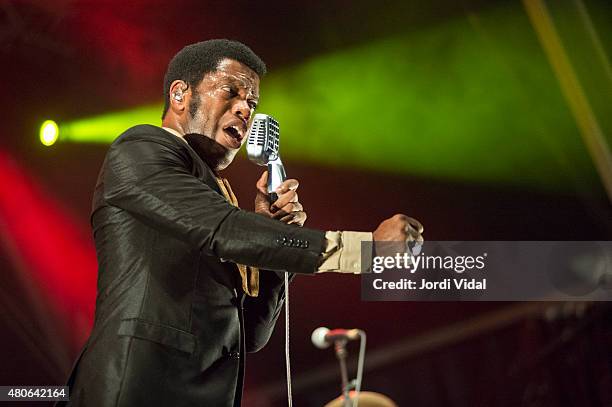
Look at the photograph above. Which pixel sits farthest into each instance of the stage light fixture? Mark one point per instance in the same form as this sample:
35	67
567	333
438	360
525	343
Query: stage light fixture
49	133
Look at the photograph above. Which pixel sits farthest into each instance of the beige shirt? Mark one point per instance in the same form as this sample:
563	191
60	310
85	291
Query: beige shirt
342	252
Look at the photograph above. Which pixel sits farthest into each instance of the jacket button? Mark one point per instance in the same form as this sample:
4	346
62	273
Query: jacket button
234	355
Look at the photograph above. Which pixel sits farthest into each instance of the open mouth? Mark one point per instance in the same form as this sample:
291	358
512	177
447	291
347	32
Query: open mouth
234	134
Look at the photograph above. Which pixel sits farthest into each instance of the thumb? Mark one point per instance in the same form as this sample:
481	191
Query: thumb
262	183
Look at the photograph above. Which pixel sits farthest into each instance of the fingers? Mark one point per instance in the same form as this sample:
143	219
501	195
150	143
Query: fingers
292	213
412	226
295	218
415	224
298	218
413	229
287	185
288	209
284	199
400	228
419	239
262	183
411	232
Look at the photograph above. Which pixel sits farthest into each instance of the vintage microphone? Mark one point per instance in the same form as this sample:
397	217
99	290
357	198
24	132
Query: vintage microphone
262	149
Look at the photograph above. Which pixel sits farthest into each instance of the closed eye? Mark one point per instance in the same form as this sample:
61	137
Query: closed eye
230	90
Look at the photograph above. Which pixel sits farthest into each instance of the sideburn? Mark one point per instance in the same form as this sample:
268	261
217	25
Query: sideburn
194	103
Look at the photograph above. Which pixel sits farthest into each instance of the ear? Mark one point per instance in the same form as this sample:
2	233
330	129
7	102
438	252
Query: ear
179	92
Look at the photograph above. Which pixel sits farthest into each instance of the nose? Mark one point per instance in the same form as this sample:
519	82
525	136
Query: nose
242	109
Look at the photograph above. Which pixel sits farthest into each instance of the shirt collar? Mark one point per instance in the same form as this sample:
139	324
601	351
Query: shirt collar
176	133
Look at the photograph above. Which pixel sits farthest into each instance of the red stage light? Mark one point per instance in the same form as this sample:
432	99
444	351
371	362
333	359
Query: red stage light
57	254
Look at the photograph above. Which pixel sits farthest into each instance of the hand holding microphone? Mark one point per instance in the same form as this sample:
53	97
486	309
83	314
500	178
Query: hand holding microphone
286	208
276	196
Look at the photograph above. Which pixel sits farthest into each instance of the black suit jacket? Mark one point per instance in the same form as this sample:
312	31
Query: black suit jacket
172	325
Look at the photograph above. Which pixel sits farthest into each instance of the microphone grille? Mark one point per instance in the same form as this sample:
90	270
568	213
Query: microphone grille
318	337
263	139
273	136
257	132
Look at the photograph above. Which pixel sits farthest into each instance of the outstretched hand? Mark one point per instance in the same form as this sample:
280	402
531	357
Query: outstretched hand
286	208
399	228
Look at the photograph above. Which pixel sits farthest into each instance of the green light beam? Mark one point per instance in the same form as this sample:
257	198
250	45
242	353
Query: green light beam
471	100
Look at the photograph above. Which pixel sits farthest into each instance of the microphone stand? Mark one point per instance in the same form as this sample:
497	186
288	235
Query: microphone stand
341	353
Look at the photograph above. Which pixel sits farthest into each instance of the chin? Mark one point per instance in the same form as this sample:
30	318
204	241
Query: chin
224	162
217	156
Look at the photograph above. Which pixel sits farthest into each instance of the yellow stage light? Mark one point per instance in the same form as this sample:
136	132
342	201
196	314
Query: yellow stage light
49	132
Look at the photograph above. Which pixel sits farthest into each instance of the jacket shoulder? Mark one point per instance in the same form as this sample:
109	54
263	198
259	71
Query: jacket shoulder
148	142
148	132
142	141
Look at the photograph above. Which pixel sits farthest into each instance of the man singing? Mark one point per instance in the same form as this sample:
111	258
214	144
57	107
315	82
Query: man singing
188	282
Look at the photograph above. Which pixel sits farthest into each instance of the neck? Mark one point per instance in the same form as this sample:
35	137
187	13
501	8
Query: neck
172	123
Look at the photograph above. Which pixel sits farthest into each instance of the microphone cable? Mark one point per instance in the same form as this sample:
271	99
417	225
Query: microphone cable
287	361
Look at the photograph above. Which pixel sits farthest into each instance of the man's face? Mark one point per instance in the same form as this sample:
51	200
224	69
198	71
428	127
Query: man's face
222	104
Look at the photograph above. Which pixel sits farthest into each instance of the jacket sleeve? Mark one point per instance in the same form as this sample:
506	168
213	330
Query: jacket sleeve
151	178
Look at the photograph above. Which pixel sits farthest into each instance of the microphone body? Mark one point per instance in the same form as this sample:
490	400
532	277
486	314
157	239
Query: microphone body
323	337
262	149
